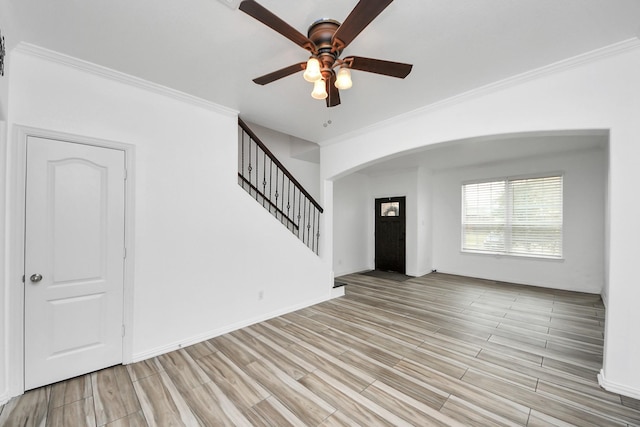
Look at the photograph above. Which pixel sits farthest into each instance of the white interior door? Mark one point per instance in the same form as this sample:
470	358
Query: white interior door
74	259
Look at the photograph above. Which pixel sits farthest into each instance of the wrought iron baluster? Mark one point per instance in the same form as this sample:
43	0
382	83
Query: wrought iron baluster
293	216
308	225
299	203
275	195
318	234
250	168
313	233
304	221
264	177
282	199
257	171
270	174
242	133
288	200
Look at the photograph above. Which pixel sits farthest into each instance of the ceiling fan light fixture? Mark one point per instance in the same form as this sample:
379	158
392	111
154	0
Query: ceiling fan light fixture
343	79
312	72
325	41
319	90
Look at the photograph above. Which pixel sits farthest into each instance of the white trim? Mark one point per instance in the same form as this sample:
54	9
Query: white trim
519	282
338	292
15	226
541	175
603	295
4	248
226	329
353	270
117	76
15	212
617	388
556	67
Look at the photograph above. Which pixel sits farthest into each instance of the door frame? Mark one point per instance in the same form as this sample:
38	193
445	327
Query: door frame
16	198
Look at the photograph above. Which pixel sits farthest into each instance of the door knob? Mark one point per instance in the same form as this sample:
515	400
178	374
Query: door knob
35	278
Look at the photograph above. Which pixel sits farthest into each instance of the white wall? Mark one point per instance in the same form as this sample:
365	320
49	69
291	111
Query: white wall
203	248
4	95
582	266
9	32
352	235
596	91
424	233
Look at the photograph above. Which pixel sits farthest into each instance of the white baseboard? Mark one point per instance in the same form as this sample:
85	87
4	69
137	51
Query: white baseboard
521	282
337	292
419	273
157	351
4	398
617	388
338	273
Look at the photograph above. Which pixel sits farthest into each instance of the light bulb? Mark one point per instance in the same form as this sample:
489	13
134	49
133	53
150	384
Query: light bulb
319	90
343	79
312	72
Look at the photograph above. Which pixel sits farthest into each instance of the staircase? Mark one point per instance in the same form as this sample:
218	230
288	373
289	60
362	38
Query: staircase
266	179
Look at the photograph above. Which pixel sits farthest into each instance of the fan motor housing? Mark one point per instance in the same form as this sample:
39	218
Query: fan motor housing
321	33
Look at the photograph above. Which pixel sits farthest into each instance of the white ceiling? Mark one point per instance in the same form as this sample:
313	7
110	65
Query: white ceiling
205	48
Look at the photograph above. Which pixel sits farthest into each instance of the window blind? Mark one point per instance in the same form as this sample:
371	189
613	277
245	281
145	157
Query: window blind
513	216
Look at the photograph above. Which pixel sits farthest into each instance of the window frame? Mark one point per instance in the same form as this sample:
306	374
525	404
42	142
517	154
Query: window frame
508	223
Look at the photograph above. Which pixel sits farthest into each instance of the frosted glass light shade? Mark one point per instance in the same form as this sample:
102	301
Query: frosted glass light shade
312	72
343	79
319	90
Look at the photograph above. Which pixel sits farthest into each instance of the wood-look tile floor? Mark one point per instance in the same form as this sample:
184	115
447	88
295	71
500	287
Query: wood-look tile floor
436	350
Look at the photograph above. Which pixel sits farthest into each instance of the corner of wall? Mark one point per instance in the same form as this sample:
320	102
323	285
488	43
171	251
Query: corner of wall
337	292
353	270
617	388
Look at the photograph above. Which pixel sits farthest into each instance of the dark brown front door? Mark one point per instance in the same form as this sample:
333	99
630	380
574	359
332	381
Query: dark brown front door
390	234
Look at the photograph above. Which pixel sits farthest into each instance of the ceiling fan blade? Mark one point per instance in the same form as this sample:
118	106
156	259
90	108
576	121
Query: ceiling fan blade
361	16
255	10
276	75
378	66
333	97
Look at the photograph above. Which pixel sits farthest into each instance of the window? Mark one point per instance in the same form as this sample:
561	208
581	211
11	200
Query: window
513	216
390	209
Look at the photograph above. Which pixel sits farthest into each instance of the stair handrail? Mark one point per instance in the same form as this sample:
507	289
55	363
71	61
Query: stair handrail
275	160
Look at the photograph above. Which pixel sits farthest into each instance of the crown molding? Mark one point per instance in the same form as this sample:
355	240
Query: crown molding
117	76
518	79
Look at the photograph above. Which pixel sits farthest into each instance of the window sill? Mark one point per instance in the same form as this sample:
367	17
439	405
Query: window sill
518	256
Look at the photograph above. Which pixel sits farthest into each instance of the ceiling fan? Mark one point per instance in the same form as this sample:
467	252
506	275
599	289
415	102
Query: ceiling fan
325	40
